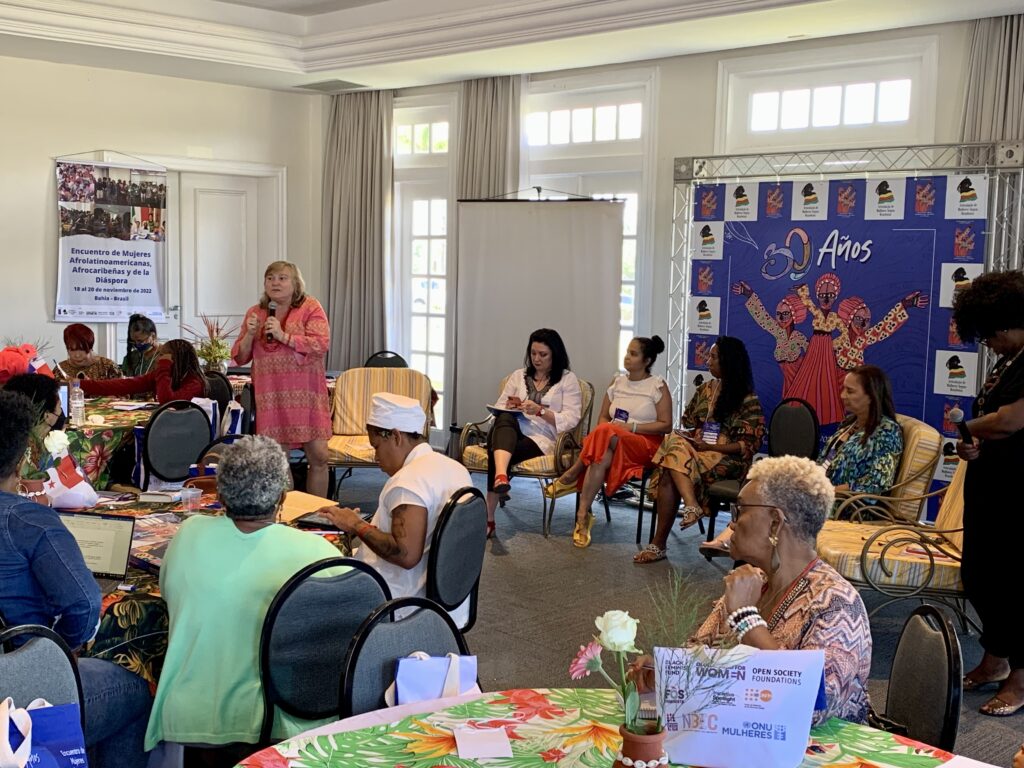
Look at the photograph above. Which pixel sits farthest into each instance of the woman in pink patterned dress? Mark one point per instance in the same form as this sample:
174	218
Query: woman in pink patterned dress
286	337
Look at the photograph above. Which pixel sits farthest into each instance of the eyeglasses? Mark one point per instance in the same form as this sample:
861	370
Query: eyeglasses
736	508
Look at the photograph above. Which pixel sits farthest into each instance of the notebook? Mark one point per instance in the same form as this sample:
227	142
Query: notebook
105	542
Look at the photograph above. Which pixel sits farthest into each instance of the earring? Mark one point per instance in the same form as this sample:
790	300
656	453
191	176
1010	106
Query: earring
773	539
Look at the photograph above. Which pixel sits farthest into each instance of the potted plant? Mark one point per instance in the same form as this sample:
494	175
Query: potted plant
213	347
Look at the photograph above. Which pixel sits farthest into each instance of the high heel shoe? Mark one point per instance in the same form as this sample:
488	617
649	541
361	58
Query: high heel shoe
558	489
581	533
502	485
490	529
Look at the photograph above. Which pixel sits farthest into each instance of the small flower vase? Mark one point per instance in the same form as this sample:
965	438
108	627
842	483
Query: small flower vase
219	367
646	750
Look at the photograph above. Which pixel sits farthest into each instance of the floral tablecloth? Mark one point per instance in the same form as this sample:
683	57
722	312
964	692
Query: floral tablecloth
564	727
93	445
134	624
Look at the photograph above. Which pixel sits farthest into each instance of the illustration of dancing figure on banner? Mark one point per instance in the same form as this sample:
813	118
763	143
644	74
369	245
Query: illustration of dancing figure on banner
790	344
816	380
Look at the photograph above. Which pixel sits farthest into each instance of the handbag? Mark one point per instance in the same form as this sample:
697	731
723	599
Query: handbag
41	735
419	677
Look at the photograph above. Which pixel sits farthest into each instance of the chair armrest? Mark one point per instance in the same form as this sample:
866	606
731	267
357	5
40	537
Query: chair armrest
879	505
472	434
567	448
930	540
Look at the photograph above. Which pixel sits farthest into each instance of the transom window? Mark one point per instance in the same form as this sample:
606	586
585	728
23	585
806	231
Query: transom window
887	101
582	125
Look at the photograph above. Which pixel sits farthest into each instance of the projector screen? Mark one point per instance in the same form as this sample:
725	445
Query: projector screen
524	265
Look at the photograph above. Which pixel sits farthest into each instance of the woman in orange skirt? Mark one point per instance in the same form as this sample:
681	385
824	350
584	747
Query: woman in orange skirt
635	414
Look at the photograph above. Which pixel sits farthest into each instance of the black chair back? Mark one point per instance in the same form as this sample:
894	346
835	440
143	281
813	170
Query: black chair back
385	359
380	642
456	555
248	402
306	636
210	455
218	388
793	429
926	681
176	434
36	663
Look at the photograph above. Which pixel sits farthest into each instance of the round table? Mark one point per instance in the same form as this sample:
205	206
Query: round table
93	445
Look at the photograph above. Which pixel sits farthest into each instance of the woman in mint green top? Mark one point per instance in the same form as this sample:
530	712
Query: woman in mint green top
219	577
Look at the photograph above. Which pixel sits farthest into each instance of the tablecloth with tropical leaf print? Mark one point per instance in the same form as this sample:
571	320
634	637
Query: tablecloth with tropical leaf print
563	727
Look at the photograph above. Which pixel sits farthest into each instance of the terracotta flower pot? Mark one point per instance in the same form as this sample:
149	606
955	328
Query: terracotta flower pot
645	750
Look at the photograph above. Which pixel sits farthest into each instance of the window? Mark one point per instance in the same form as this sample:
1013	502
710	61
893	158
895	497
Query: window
588	136
871	94
419	280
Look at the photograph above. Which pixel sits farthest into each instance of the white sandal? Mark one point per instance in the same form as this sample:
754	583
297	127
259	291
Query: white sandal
656	553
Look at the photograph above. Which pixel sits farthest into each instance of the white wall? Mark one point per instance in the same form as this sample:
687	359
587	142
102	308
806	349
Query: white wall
55	109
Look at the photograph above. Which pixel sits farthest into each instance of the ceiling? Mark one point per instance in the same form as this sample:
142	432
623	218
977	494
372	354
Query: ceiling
291	44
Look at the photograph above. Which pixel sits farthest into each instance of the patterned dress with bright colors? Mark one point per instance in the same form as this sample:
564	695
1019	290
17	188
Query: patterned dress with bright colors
290	382
789	345
850	349
866	466
99	368
815	382
744	426
820	611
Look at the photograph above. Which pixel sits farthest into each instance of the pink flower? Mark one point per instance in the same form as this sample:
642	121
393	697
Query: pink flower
587	660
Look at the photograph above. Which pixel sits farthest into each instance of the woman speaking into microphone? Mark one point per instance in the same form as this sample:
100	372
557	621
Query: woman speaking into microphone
286	337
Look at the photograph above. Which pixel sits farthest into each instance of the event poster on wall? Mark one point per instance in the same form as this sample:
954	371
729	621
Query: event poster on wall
817	277
112	233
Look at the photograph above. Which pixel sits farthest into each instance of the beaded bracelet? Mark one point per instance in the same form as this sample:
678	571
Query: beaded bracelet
748	624
740	613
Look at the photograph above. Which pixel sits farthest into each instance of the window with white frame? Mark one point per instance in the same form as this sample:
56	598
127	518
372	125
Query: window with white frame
419	273
590	136
870	94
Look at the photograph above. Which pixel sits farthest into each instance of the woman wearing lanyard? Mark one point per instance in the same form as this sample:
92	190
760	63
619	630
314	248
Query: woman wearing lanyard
992	310
864	453
286	337
722	428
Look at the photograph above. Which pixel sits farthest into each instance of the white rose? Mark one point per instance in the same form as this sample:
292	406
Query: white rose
56	442
618	631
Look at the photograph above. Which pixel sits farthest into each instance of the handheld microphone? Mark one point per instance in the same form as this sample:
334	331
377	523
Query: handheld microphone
271	309
956	416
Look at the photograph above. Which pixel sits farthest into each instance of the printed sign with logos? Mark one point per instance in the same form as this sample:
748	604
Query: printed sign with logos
885	201
741	202
955	278
966	196
956	373
704	315
708	239
810	201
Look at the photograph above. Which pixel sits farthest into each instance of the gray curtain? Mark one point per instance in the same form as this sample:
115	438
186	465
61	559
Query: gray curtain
488	166
994	106
489	137
356	222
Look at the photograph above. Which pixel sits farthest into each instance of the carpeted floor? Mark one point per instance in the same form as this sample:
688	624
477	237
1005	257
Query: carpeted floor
539	597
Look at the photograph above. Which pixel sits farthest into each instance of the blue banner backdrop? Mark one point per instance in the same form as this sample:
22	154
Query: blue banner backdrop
818	277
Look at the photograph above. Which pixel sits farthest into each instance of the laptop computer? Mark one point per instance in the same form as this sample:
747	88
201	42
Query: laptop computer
105	542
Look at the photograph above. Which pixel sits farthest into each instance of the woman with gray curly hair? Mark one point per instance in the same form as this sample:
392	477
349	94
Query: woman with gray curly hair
219	577
784	597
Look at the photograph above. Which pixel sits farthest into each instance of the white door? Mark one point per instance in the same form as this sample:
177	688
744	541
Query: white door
221	249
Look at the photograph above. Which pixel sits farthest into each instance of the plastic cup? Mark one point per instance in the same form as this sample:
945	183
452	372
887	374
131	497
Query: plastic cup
190	498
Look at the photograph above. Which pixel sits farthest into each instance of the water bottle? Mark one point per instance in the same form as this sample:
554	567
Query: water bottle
76	398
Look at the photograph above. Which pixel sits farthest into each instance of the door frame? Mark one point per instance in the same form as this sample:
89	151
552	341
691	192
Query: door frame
273	201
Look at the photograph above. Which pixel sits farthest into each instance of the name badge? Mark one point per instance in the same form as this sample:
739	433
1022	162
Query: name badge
620	415
711	431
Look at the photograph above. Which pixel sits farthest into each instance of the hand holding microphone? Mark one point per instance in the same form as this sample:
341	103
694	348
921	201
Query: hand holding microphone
968	448
271	309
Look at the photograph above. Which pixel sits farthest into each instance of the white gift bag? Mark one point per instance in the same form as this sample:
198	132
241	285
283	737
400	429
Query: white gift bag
11	716
737	707
67	486
419	677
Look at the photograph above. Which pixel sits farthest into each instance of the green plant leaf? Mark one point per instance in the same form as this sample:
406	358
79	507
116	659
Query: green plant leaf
632	705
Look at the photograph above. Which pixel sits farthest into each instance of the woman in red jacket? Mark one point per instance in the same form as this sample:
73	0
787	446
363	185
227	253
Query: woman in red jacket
176	376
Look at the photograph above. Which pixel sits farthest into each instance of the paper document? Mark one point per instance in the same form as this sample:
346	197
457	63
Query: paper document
479	743
298	504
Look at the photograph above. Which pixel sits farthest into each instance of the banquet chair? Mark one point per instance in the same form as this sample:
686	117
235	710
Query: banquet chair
456	555
385	359
219	388
472	451
248	402
43	667
378	644
926	680
793	430
210	455
903	501
306	635
906	560
176	434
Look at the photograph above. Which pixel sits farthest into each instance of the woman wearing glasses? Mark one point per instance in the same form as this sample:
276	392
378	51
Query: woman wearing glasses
790	344
784	597
864	453
992	310
859	336
815	382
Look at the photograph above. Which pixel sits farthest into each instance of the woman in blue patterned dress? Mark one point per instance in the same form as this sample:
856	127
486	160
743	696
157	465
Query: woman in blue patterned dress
864	453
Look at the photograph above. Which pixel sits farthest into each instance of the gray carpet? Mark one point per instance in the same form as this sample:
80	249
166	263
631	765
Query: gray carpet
539	597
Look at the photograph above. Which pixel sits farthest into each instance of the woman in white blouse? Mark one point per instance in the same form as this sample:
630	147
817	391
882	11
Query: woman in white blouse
635	414
546	399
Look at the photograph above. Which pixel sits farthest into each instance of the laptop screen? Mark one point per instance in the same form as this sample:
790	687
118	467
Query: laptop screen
105	541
